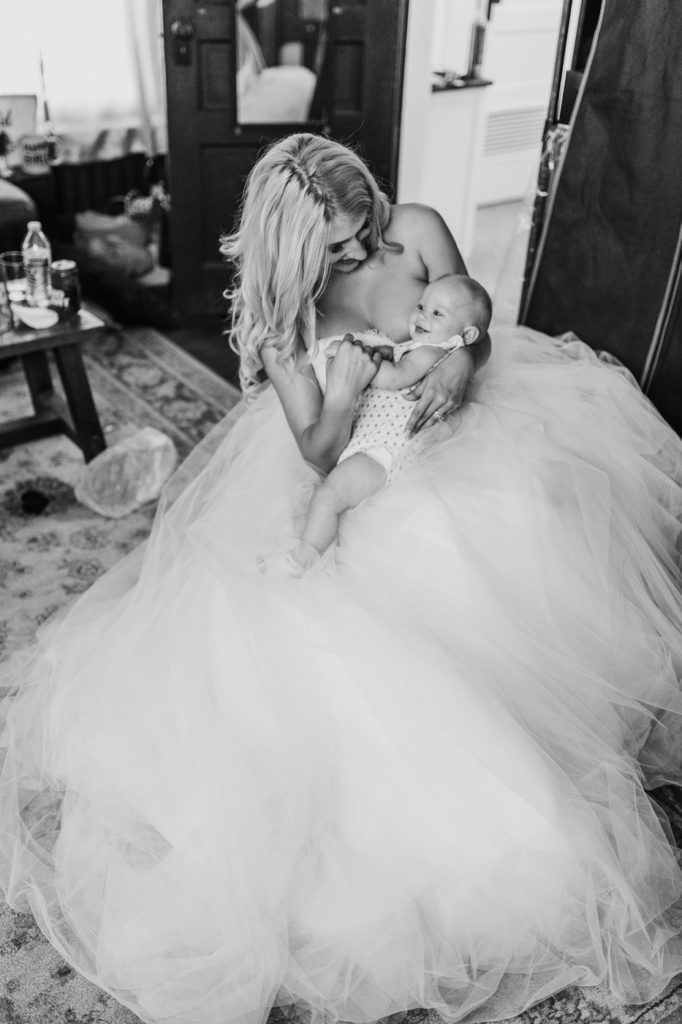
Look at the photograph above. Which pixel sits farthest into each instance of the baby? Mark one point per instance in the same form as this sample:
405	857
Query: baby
453	311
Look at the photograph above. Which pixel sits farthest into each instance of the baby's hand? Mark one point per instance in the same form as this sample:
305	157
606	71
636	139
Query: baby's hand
386	352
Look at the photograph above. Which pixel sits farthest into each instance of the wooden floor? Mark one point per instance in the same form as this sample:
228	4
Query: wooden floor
207	342
494	229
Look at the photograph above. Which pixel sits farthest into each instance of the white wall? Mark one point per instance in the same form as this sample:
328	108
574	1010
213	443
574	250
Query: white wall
501	141
520	54
416	98
440	131
452	32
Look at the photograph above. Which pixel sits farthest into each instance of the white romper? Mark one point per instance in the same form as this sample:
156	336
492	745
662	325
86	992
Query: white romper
381	414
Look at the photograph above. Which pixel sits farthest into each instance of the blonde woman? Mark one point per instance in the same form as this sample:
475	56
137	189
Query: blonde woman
415	777
320	252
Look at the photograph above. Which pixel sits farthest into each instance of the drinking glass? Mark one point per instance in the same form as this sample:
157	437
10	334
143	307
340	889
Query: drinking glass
12	267
5	308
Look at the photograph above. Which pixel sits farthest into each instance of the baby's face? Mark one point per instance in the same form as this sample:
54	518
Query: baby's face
443	310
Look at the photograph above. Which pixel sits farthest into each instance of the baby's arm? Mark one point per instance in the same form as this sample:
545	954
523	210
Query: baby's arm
411	368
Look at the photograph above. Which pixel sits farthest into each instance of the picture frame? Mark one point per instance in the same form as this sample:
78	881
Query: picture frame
18	117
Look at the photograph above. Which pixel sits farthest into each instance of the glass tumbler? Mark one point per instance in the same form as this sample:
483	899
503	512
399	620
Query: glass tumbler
12	266
5	308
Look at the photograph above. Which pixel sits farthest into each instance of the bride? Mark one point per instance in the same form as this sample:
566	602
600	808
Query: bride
416	777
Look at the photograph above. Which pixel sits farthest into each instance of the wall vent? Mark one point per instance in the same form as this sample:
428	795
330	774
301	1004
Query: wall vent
509	131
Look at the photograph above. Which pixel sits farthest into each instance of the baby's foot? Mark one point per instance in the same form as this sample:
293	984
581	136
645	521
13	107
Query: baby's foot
293	561
282	563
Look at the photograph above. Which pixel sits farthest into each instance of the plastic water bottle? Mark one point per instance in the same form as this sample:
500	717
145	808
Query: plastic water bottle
37	255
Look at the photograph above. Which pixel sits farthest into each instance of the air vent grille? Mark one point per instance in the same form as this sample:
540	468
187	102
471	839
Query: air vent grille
509	131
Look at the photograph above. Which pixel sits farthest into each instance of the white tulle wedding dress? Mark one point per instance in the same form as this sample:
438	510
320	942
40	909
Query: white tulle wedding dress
414	778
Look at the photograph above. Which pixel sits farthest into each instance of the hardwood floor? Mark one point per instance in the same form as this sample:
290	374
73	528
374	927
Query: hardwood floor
206	340
493	232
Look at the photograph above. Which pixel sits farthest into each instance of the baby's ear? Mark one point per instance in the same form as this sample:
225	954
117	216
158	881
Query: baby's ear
470	334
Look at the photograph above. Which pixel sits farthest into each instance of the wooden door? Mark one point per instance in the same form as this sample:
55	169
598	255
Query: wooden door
358	63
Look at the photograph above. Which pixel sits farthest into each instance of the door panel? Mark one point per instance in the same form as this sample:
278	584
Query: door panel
357	99
215	85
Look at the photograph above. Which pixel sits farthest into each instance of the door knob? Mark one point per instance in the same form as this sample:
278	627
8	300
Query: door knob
182	30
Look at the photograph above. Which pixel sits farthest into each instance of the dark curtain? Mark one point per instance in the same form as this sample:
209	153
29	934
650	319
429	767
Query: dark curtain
606	260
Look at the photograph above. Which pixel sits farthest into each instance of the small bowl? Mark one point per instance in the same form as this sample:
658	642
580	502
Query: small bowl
37	317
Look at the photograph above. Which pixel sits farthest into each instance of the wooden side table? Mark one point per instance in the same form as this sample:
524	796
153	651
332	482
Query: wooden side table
76	416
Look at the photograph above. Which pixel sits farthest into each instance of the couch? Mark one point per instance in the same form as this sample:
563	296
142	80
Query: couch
16	210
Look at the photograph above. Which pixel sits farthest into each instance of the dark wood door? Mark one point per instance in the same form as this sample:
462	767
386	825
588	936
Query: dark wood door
358	63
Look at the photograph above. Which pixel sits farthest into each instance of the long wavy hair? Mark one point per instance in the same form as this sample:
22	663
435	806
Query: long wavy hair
280	250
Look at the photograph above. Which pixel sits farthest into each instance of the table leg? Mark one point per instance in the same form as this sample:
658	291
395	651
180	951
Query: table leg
37	372
79	399
45	421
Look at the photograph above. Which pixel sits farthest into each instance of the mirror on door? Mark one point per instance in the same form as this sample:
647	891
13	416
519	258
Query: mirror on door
281	50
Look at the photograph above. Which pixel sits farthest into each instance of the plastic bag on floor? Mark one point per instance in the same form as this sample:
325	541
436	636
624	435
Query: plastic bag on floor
129	474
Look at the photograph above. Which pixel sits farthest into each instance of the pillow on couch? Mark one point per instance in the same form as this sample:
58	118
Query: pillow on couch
16	210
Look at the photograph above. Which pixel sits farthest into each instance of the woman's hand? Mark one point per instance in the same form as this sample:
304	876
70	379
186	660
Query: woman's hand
349	371
321	423
442	389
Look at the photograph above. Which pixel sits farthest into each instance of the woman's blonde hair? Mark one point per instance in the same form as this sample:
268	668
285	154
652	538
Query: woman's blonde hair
280	250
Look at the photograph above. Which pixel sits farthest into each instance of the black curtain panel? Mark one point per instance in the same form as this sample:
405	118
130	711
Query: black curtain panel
607	264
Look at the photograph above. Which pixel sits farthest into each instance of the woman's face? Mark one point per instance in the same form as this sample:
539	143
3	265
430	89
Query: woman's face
347	248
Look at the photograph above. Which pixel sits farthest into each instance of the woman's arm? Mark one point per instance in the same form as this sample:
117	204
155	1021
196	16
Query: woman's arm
321	424
443	389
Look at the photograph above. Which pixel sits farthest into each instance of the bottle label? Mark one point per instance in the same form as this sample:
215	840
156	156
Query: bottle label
37	264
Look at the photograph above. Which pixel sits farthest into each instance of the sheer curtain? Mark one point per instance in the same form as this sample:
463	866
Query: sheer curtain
96	67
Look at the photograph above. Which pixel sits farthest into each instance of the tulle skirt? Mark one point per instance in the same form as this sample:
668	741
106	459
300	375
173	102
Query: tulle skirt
416	777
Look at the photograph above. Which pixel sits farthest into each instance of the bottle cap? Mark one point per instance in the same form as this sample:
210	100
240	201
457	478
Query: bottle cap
34	225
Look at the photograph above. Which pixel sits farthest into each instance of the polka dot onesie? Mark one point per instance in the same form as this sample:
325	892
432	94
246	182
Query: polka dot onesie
381	415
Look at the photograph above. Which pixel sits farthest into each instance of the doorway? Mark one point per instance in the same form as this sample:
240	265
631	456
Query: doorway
241	74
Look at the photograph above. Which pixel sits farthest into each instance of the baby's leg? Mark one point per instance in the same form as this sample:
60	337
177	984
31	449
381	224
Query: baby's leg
349	483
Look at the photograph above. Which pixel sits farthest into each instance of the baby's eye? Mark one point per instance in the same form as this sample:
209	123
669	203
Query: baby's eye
420	307
438	312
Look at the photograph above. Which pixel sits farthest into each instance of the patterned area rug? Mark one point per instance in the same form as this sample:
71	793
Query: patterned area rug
52	548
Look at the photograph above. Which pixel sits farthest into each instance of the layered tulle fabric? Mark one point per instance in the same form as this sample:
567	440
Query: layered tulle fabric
415	777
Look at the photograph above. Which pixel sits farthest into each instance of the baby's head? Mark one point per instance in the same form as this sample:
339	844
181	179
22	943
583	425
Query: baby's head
451	305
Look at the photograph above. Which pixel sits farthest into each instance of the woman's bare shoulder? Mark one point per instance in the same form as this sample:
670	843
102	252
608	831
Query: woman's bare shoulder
423	231
414	220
